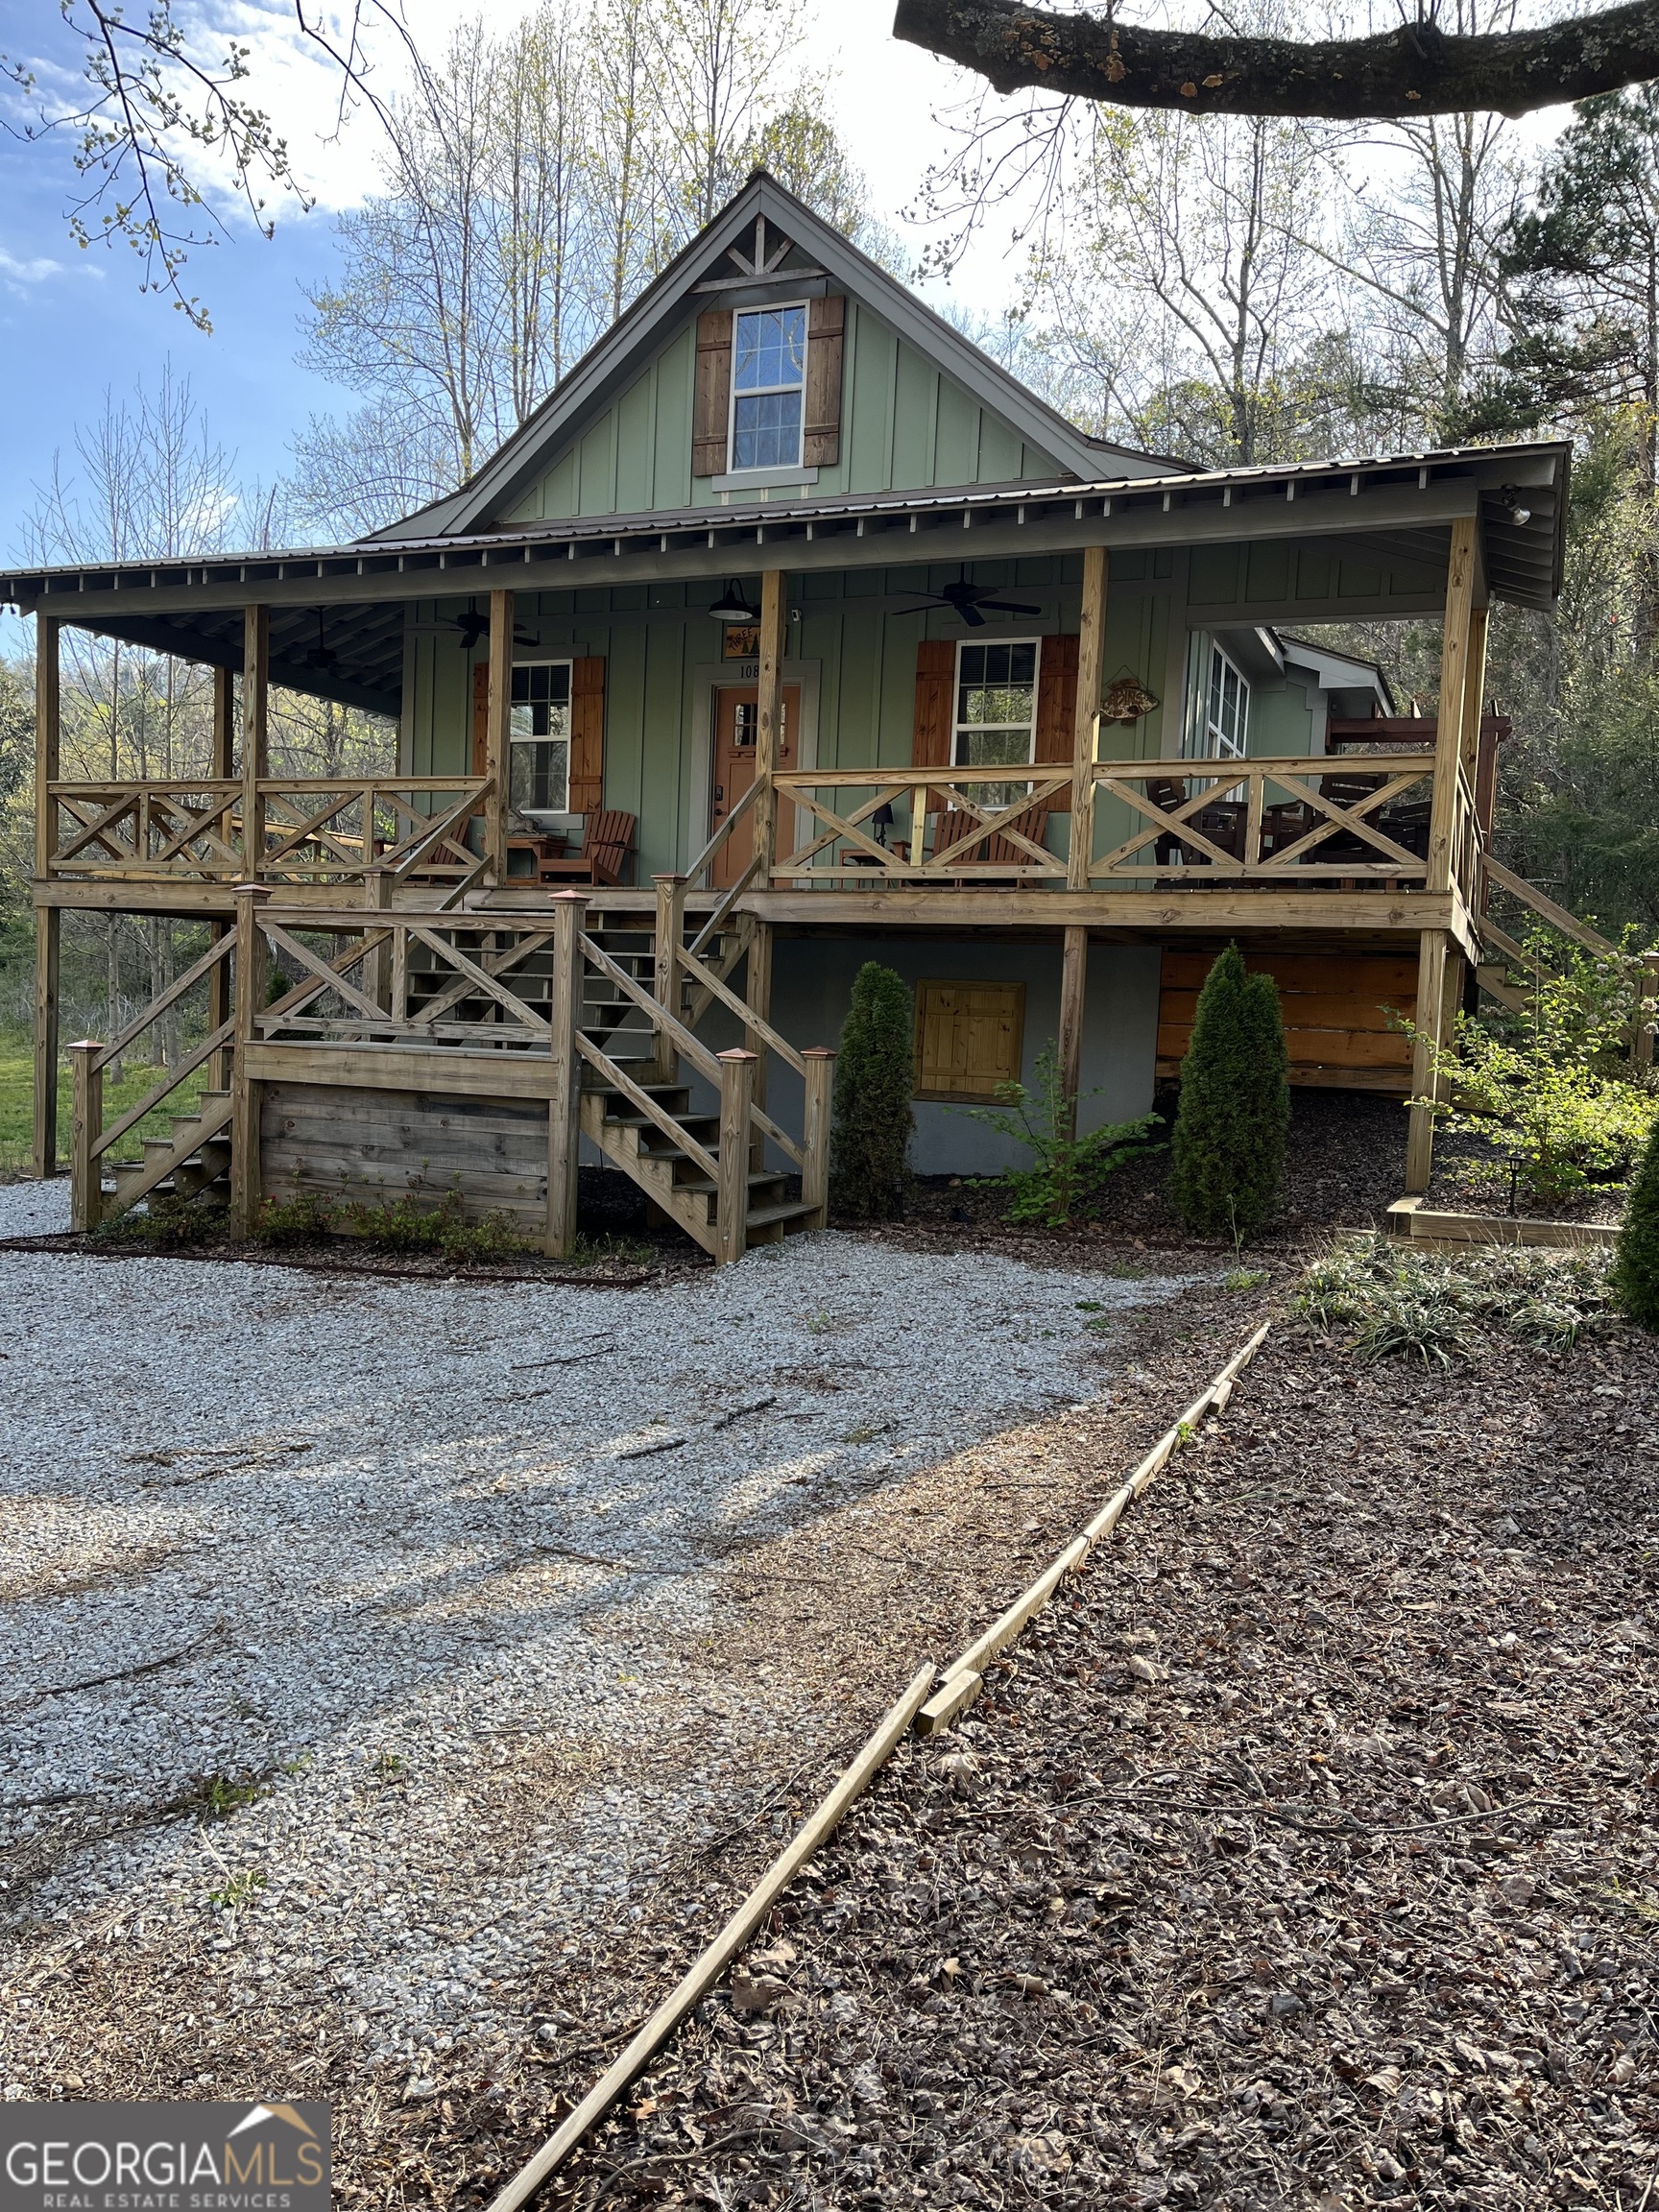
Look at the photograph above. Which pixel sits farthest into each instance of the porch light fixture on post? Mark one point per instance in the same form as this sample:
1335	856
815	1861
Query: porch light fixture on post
732	606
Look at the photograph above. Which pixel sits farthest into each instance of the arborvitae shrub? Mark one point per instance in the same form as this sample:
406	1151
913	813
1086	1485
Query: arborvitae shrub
870	1134
1635	1275
1229	1140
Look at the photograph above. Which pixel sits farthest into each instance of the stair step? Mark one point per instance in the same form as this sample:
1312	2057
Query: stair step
786	1211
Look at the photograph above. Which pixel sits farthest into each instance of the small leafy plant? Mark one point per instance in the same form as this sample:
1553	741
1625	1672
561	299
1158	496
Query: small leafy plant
173	1223
238	1890
1068	1172
1388	1302
297	1220
404	1227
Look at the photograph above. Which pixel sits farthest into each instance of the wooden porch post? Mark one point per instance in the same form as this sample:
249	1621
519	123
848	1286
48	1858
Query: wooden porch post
255	735
564	1074
498	733
48	922
768	708
86	1171
1074	982
1474	691
1435	1009
670	933
224	769
251	966
1086	723
731	1191
815	1130
1453	682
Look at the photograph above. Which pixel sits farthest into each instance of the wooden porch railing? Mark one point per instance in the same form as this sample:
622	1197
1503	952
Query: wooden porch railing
847	844
314	829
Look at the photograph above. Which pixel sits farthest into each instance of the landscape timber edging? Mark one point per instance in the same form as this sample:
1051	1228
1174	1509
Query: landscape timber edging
1410	1221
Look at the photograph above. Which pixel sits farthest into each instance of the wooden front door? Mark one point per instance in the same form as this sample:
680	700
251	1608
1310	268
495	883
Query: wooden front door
736	718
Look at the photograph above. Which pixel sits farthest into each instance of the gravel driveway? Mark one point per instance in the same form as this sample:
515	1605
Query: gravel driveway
344	1622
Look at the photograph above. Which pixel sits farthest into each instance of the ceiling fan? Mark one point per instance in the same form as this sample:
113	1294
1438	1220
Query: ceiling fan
972	602
472	626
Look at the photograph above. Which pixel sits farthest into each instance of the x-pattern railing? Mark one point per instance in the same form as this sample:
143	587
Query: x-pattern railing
314	829
844	848
1190	817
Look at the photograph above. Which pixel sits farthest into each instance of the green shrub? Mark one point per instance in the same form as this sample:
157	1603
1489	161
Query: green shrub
404	1227
1229	1140
870	1134
1069	1170
1549	1086
169	1221
1387	1301
1635	1274
297	1220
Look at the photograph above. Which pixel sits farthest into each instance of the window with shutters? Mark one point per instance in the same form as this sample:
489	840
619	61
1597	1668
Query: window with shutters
768	386
969	1038
996	713
538	776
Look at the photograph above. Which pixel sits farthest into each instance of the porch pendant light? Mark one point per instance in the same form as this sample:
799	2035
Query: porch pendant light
732	606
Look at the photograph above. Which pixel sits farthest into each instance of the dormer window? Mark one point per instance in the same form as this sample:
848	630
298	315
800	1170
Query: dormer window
768	386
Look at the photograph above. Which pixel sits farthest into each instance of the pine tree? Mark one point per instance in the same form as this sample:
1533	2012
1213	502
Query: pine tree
870	1134
1229	1140
1635	1274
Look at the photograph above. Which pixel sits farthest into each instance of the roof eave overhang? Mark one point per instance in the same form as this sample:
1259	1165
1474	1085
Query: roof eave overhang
1408	494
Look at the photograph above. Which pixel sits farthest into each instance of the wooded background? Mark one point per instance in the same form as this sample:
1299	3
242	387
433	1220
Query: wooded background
1224	289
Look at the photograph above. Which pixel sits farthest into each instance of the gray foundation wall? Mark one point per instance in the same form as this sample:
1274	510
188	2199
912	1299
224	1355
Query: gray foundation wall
812	987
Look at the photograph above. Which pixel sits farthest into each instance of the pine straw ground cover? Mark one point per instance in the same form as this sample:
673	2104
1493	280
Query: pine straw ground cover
1306	1857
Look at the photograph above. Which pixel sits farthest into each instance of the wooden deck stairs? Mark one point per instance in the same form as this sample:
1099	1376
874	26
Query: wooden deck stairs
193	1160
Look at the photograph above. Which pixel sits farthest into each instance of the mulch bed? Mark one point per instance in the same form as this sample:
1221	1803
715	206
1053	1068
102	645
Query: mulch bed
1345	1166
1306	1855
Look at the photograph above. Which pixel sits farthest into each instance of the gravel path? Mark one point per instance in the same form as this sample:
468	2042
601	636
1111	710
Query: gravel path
343	1623
1306	1855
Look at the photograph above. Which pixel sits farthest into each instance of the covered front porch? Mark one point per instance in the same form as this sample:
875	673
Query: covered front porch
854	792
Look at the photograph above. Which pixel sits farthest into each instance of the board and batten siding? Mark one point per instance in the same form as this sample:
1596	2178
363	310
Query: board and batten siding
904	426
854	633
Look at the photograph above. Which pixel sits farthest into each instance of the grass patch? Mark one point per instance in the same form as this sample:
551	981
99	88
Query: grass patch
1244	1279
1440	1307
17	1104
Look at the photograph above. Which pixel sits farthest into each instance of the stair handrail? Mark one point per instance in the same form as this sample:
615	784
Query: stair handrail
215	1042
1543	906
755	1023
117	1044
695	868
641	1099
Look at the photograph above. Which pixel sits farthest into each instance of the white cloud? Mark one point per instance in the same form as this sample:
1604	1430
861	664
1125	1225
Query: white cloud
33	271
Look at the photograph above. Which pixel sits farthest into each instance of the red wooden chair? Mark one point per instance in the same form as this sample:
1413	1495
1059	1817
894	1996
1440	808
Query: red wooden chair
956	825
606	855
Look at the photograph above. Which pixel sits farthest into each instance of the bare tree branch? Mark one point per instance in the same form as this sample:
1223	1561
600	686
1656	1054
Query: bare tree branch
1416	70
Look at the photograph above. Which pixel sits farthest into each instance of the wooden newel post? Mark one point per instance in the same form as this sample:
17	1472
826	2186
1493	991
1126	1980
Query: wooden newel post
1073	991
815	1132
1454	651
1433	1022
564	1074
670	935
376	977
250	968
86	1171
732	1202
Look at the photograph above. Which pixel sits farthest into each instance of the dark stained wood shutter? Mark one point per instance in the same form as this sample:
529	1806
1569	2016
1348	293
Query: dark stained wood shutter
935	699
587	734
825	323
481	718
711	402
1057	708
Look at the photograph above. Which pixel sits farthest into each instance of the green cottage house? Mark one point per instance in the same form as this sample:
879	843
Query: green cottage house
789	633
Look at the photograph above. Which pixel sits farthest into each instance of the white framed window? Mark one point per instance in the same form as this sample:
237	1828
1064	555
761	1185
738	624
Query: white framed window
1226	709
538	750
768	386
996	713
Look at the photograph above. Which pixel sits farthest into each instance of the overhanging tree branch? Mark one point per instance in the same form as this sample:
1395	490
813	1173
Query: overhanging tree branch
1416	70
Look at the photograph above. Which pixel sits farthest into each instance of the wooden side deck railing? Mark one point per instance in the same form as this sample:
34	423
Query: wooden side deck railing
311	828
1294	821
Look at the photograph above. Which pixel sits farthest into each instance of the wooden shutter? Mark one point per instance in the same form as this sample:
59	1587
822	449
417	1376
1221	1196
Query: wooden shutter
969	1038
587	734
826	322
481	718
711	402
935	686
1057	708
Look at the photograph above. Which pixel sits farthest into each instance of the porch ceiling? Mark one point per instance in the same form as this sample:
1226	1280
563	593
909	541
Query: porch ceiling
193	608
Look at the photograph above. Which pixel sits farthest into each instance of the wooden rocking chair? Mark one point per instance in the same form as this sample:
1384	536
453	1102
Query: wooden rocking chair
606	856
956	825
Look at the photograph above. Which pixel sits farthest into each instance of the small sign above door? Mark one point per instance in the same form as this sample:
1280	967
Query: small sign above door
742	642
